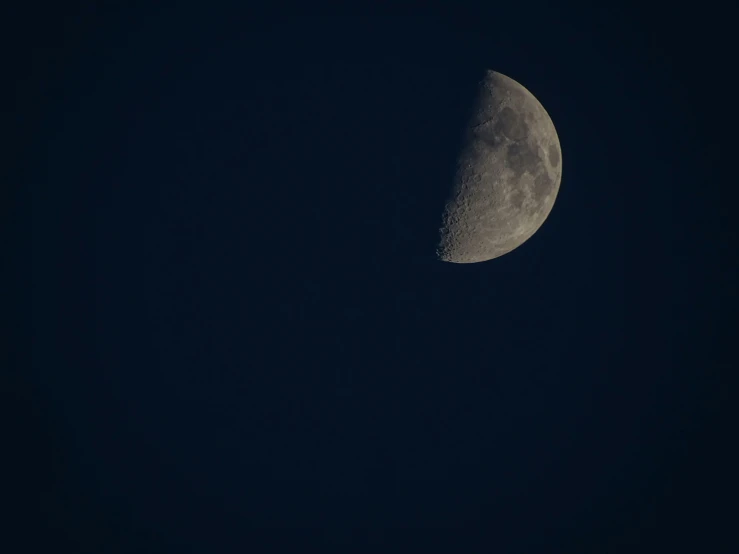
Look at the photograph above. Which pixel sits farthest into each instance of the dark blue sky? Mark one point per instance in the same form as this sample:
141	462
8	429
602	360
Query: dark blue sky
242	342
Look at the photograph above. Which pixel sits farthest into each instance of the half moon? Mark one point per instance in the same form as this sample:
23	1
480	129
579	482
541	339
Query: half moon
507	178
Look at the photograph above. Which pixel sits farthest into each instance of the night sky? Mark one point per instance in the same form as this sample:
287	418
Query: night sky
242	342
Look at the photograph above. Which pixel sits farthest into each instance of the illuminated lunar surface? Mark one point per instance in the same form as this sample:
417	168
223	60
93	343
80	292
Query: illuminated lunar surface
508	175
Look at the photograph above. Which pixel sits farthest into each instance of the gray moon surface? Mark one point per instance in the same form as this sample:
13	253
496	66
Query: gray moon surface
507	178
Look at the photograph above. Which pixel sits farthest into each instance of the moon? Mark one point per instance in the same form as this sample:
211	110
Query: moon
507	178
